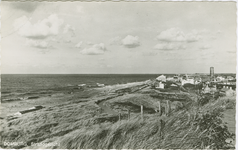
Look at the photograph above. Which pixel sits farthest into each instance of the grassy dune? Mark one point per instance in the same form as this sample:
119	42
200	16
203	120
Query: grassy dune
133	102
53	121
77	123
185	129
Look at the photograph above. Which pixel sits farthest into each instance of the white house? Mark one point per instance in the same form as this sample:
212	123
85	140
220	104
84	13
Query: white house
161	78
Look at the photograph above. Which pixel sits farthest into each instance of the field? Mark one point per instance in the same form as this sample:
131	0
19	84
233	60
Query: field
110	118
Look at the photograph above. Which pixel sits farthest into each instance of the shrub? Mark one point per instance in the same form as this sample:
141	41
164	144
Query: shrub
210	124
204	99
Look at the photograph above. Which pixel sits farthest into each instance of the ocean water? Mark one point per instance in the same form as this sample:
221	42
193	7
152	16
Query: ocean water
16	85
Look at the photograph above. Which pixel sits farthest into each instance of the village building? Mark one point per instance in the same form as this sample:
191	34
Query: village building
220	78
187	79
160	82
161	78
230	78
169	79
206	89
227	91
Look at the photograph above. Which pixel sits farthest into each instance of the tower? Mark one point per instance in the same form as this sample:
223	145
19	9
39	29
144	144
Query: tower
211	72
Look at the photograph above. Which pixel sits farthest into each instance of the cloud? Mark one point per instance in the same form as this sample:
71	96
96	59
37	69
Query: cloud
89	43
115	41
53	40
192	37
131	41
69	29
170	46
177	35
149	53
27	6
37	44
67	41
205	47
40	30
79	44
97	49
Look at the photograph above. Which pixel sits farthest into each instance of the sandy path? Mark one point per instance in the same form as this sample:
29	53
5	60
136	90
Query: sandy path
229	117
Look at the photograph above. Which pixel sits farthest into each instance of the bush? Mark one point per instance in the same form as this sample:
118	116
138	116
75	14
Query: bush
210	124
204	99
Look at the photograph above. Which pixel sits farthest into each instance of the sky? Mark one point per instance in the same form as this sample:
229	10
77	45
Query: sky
117	37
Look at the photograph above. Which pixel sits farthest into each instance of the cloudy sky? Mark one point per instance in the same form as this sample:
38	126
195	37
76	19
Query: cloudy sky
118	37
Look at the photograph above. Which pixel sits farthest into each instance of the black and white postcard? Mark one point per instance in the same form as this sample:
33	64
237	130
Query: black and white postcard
118	74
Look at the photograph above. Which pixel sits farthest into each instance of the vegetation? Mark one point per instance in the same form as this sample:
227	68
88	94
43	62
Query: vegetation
79	123
185	129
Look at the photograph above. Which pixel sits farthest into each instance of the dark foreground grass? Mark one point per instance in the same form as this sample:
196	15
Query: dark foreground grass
49	122
75	125
201	128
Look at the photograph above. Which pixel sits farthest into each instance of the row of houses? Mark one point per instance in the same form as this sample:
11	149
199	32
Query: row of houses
226	89
224	78
180	79
196	79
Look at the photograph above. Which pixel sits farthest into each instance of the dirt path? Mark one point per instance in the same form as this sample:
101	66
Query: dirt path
230	118
107	109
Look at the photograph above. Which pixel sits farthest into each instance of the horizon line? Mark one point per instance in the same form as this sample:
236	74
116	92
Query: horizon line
103	73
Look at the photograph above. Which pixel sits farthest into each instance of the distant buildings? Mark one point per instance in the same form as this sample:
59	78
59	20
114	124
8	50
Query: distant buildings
211	82
227	91
161	78
220	78
160	82
187	79
230	78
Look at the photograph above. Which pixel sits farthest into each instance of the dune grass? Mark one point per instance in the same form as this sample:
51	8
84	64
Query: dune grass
133	102
75	124
49	122
196	128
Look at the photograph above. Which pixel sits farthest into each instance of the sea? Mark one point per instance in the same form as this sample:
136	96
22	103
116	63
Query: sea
14	86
